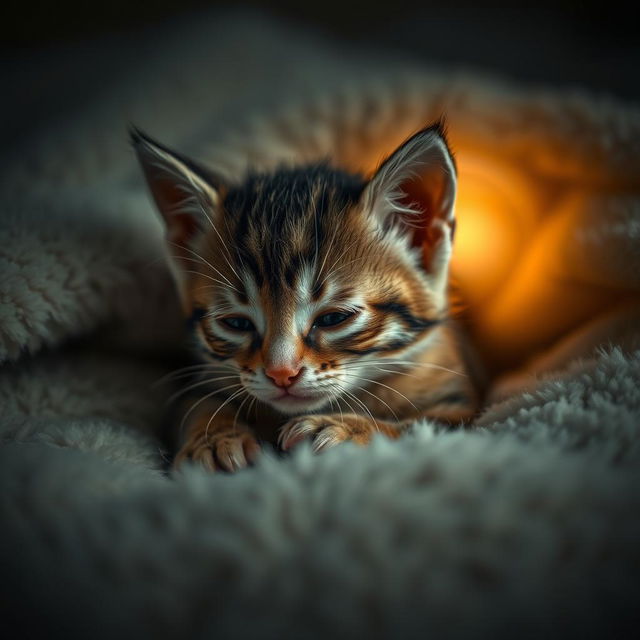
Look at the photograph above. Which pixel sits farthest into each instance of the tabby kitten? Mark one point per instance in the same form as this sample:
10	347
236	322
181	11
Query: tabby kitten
318	298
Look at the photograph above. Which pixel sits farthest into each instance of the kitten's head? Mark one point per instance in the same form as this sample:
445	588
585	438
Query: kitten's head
305	282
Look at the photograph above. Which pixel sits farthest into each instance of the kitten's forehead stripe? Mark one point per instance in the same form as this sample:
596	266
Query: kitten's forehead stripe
299	204
293	268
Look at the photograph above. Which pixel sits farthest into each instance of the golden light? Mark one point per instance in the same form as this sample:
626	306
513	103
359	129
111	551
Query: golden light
496	218
511	261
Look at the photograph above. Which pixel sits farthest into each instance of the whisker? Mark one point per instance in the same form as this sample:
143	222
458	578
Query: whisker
193	374
235	394
198	384
339	409
208	277
252	405
406	363
226	283
226	224
226	251
342	266
338	399
201	258
221	310
188	370
386	386
315	232
430	365
198	209
328	251
398	373
373	395
362	404
199	402
331	270
235	418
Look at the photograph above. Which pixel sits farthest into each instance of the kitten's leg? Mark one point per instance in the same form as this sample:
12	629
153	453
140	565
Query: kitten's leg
218	444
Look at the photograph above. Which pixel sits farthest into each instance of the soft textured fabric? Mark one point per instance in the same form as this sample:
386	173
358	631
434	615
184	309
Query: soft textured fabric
526	525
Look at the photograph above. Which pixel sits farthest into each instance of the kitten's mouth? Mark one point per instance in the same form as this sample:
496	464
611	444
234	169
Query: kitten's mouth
293	401
286	396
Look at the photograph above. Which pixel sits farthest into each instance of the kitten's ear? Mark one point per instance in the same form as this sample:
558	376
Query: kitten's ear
186	194
416	187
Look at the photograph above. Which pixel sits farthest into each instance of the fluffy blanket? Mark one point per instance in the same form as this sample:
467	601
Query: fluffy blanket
526	525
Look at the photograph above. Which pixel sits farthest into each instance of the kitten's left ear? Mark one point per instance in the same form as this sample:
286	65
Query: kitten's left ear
186	194
416	186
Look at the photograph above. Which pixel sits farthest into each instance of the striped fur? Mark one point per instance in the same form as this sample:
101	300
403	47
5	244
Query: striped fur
338	279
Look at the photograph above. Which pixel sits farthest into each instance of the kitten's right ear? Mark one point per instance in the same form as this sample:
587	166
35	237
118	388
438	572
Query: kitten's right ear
186	195
415	190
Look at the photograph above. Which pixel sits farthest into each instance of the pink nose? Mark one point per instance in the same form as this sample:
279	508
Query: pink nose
283	376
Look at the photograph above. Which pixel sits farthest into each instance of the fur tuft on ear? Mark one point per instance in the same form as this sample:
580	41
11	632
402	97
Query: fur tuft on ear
416	187
186	194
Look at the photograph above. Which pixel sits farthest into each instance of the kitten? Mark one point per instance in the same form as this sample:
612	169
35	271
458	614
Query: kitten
319	296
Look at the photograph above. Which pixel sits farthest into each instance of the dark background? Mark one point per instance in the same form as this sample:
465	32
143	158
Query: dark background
572	44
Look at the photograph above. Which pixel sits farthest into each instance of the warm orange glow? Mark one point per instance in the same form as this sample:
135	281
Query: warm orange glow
511	260
496	219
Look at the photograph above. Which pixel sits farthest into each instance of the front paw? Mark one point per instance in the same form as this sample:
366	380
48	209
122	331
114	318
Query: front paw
220	451
326	431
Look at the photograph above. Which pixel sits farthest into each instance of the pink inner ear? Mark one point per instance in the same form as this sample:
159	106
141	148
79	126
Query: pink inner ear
427	230
417	197
434	235
168	196
181	228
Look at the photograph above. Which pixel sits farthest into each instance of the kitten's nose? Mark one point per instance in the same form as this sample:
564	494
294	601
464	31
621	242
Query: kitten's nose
283	376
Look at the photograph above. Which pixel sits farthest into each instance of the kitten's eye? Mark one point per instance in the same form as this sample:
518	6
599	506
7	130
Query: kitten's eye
238	323
331	319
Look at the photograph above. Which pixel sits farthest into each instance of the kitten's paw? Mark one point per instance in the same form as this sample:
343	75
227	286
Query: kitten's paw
220	451
327	430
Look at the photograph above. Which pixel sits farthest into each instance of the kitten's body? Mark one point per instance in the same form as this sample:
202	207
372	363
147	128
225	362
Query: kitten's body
319	298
